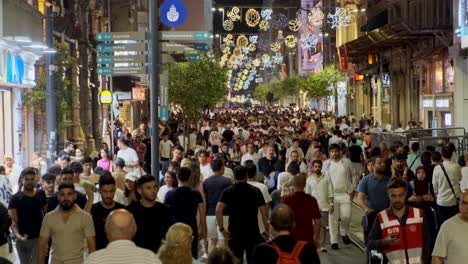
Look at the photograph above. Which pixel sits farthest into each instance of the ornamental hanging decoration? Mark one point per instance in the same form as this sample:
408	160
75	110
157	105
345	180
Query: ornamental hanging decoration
252	17
253	39
279	21
295	24
234	14
277	58
309	41
266	14
252	47
229	39
263	45
315	17
242	41
264	25
290	41
340	18
228	25
275	46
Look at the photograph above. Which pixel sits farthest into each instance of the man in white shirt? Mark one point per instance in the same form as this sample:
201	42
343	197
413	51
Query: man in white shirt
120	229
13	172
205	168
447	195
450	245
340	172
250	155
165	146
295	159
128	154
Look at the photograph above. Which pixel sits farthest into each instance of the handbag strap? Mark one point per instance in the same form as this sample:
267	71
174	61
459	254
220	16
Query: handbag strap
414	161
449	182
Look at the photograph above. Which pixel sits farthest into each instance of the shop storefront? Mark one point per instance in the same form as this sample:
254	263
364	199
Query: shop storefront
437	111
21	27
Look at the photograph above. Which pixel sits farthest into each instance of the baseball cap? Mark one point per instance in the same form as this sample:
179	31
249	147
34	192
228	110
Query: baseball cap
131	176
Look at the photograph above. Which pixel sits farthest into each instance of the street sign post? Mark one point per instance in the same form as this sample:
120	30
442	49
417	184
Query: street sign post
185	35
112	36
108	59
122	70
108	47
193	57
164	97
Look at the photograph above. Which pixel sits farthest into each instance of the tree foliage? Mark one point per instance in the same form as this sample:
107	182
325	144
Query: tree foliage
321	83
261	92
287	87
35	98
195	86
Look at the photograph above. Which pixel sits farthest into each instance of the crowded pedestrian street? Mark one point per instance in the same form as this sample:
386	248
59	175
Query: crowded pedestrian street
233	132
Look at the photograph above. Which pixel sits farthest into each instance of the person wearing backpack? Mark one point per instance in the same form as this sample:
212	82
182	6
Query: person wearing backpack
284	249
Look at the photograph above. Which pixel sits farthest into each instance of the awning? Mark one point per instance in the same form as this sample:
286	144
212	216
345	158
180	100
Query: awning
390	36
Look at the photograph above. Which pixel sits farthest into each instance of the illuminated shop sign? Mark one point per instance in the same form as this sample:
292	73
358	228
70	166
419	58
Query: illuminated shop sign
14	69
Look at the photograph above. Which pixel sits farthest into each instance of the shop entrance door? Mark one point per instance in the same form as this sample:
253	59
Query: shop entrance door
446	119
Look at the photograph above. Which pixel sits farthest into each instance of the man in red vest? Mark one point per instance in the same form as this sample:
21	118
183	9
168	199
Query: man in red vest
399	232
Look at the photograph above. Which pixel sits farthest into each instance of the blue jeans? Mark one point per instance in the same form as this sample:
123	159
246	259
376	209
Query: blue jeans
27	250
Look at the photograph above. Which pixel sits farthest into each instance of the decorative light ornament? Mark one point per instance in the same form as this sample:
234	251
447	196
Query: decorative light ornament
227	50
295	24
263	45
237	52
275	46
290	41
234	14
242	41
246	51
340	18
309	41
277	58
256	62
266	14
264	25
279	21
229	39
266	58
267	64
315	17
252	47
253	39
228	25
252	17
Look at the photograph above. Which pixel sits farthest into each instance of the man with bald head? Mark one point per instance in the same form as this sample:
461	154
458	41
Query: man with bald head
282	220
120	229
306	212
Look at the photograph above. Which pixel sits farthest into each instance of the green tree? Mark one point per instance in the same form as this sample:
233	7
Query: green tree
196	86
261	93
288	87
35	98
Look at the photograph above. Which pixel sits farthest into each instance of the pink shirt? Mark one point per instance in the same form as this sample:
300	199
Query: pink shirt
104	164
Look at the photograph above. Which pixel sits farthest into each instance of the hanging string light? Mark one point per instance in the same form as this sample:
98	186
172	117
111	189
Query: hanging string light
309	41
266	14
315	17
277	58
242	41
340	18
279	21
275	46
264	25
252	17
295	24
234	14
290	41
228	25
253	39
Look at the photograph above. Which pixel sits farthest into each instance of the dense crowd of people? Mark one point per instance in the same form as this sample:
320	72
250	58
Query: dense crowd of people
261	185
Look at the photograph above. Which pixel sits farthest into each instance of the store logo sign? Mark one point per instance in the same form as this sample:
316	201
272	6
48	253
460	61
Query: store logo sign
14	69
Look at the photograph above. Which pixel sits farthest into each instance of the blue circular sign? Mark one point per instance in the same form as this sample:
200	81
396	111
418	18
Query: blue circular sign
173	13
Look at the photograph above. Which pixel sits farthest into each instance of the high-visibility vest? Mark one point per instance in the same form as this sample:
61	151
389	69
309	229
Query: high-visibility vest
409	250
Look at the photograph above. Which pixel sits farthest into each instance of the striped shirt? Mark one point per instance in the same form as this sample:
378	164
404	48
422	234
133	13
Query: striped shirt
122	252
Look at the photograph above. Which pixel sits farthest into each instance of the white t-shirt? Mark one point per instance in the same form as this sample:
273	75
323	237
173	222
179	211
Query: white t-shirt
162	193
165	148
206	171
337	174
464	181
451	241
129	156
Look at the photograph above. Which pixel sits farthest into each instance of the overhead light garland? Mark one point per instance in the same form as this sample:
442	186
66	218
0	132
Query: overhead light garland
252	17
229	39
295	24
290	41
309	41
228	25
242	41
277	58
275	46
266	14
315	17
279	21
253	39
234	14
340	18
264	25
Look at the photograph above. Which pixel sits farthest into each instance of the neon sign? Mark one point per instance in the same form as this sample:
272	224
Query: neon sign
14	69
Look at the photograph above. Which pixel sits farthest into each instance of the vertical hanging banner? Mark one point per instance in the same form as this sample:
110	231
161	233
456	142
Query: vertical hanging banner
173	13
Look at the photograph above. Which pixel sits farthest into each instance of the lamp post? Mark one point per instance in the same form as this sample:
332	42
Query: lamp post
154	70
51	99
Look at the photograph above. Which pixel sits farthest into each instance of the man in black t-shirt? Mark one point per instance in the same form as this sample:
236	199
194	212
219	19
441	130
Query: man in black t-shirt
213	187
282	220
242	202
27	209
152	217
184	203
101	210
356	156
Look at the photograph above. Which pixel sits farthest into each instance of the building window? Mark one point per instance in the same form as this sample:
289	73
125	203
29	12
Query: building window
438	77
